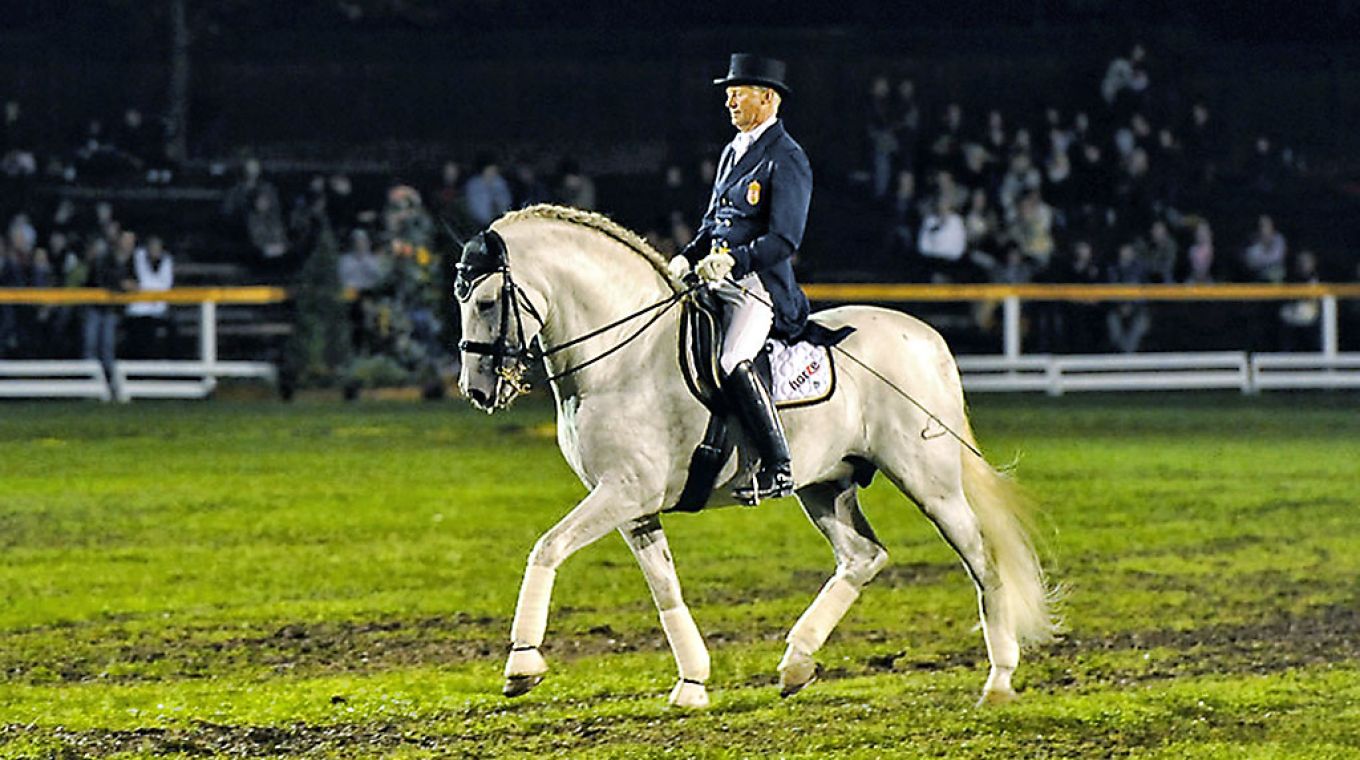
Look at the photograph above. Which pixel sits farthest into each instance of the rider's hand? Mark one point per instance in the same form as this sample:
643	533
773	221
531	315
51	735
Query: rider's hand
678	267
715	266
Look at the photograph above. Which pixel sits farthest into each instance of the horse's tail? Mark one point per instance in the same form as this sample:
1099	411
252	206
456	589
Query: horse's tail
1005	514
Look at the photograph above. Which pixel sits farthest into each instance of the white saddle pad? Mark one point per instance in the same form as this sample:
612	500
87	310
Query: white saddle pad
802	373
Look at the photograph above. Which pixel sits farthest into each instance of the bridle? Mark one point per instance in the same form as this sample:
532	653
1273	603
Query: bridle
485	255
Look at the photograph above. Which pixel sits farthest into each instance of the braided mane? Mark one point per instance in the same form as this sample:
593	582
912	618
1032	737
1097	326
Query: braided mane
595	221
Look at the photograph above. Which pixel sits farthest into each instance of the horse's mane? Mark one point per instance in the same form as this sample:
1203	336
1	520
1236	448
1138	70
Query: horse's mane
595	221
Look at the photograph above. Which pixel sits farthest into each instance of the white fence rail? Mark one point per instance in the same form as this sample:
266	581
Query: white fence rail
1010	370
125	379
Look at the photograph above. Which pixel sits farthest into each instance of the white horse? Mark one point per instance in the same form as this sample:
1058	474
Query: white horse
627	425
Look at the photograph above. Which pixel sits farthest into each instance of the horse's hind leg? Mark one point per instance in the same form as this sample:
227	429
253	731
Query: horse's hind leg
648	543
935	483
834	509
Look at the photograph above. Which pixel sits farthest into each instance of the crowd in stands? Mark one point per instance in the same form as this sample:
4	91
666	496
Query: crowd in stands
1101	189
1105	192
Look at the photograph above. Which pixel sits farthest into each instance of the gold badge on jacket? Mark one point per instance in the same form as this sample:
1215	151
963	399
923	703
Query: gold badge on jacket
753	193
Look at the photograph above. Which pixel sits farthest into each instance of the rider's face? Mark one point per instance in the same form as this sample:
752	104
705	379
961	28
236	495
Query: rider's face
749	105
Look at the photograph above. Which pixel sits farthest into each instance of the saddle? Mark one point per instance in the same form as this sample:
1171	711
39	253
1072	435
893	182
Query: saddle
799	372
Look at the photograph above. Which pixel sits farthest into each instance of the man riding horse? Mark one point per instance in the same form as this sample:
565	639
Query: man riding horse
752	228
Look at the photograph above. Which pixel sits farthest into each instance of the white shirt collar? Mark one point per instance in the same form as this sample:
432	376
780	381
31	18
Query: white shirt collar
745	140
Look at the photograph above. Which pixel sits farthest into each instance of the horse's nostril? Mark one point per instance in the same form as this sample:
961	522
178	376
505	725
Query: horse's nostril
478	396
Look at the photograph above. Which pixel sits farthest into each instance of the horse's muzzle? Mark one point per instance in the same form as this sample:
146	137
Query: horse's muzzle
479	398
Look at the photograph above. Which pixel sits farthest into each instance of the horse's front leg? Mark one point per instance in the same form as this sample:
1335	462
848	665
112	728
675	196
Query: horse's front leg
604	509
648	543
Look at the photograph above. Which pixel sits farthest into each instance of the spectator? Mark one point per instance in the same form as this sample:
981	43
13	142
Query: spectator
110	271
1263	169
906	125
1159	253
142	148
1202	145
239	201
1020	179
17	157
341	205
487	193
405	219
363	271
1201	255
994	138
982	225
945	149
577	190
362	268
65	217
449	203
11	276
1264	258
1081	320
264	225
881	134
904	221
1135	202
1032	230
1058	186
528	189
976	166
1127	322
942	242
1299	330
150	332
309	216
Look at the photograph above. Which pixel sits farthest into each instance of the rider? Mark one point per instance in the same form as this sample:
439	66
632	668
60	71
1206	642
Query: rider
752	228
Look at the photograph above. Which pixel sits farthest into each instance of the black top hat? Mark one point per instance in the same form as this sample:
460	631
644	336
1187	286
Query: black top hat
752	69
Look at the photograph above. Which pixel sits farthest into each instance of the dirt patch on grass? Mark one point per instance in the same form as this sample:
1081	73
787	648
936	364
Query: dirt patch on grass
203	739
1319	636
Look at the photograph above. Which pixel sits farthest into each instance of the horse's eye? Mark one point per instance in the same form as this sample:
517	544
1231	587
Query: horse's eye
485	306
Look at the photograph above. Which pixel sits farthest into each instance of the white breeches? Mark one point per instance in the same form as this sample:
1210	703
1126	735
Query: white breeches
747	319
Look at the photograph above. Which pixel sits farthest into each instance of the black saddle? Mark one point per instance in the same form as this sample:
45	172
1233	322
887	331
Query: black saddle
699	348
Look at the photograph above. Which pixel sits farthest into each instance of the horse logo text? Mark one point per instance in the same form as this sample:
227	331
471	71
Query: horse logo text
805	375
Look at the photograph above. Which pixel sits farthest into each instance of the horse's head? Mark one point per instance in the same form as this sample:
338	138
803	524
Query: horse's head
496	337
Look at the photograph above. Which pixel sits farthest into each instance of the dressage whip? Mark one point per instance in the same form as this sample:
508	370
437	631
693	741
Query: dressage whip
933	417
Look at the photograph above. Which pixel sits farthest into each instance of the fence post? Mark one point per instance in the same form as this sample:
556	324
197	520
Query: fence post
1329	337
1010	321
207	332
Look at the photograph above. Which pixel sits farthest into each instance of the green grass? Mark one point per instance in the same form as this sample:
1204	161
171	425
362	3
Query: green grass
188	580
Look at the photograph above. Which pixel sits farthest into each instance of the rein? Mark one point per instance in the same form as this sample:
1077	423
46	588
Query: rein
484	256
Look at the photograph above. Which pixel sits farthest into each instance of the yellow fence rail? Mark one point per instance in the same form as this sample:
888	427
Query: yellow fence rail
820	291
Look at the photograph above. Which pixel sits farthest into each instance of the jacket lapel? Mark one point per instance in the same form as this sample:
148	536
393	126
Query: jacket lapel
753	155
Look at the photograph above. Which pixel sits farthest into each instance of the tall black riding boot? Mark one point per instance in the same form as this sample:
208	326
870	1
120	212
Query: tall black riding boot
756	410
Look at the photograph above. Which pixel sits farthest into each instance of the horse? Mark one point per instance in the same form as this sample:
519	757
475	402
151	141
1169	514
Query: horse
627	423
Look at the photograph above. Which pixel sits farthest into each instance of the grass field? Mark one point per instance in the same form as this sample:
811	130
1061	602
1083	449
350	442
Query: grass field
323	580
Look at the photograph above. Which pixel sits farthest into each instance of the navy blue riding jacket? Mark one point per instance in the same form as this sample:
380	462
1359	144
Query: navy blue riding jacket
758	212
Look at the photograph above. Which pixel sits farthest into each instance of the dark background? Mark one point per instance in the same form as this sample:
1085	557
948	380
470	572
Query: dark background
623	84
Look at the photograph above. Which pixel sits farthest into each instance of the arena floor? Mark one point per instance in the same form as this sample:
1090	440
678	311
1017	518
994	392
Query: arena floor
259	580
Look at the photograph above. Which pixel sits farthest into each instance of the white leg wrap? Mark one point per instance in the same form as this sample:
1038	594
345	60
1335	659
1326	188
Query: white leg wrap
691	656
531	613
821	617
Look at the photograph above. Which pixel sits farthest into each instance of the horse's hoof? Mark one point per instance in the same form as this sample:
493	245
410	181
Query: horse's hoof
796	671
688	694
516	686
993	697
